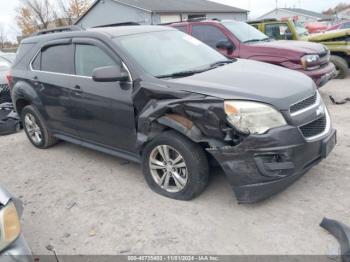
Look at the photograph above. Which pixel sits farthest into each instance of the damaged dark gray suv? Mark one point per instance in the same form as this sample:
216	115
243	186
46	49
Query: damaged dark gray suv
157	96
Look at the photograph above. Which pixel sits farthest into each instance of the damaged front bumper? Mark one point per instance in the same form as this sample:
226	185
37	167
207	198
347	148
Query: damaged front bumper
264	165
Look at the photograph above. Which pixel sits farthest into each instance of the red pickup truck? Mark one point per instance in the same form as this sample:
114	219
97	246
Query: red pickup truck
239	40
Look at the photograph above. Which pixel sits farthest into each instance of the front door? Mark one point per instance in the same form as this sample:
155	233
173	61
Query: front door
103	112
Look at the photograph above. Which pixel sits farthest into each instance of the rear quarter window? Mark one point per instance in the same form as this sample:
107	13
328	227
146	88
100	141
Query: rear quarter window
22	51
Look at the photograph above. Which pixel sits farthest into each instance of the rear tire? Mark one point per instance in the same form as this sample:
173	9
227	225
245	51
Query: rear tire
341	66
36	129
183	175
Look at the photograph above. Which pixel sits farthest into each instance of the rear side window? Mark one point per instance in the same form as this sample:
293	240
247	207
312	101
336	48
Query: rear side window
89	57
208	34
57	59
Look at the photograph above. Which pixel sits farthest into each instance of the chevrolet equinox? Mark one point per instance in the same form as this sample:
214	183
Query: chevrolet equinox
159	97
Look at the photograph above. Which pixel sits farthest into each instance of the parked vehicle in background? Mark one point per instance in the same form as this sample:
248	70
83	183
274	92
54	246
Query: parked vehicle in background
6	60
13	247
342	25
240	40
162	98
338	41
316	27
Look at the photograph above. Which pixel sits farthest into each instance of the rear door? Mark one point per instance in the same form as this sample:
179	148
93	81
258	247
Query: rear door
103	112
52	73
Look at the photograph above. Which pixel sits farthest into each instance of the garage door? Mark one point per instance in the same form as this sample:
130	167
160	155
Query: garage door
169	18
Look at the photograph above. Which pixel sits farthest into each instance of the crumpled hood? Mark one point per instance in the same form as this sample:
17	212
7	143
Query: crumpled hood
250	80
301	47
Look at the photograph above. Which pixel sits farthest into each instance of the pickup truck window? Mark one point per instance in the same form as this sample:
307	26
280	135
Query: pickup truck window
244	32
208	34
277	31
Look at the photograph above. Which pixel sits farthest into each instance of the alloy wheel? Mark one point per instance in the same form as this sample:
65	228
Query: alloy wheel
168	169
33	129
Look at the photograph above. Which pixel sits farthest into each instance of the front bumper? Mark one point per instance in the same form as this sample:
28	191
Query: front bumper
264	165
18	251
323	75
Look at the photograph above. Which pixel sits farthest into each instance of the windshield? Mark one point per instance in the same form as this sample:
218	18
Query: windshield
301	30
169	52
244	32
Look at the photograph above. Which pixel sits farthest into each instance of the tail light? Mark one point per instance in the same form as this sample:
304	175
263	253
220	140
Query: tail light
9	79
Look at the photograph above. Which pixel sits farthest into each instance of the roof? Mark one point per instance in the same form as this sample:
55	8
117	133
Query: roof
177	6
129	30
306	12
111	32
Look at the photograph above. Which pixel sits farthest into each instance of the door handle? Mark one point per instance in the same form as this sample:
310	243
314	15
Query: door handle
77	90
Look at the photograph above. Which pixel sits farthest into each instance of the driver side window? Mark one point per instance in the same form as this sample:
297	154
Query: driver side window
89	57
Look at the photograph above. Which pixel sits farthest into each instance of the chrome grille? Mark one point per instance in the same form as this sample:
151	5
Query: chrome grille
314	128
5	94
303	104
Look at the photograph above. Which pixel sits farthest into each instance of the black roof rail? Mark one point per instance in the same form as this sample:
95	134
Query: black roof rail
265	20
117	24
58	30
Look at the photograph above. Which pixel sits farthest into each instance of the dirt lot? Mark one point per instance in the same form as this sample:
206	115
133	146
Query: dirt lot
85	202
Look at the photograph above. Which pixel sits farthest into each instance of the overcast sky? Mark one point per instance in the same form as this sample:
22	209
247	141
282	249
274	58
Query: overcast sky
257	7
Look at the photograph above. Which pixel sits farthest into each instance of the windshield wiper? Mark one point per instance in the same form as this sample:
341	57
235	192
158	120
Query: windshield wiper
193	72
181	74
257	40
220	63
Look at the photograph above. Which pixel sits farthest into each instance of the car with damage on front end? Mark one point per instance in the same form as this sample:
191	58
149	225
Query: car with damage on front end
162	98
13	246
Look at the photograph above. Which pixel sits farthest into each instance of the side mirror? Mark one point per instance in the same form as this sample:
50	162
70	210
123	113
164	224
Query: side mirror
109	74
226	45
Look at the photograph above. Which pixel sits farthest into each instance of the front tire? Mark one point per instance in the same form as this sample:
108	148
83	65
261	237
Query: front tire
341	65
36	129
175	167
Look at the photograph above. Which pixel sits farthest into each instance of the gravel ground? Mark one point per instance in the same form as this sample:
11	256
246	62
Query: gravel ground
85	202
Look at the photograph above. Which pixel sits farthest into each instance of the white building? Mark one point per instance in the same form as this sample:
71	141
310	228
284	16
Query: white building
302	15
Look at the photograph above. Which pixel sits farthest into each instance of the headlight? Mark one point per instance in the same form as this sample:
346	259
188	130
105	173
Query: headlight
310	61
252	117
10	227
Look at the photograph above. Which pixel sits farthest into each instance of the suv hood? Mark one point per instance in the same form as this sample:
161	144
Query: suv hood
250	80
281	46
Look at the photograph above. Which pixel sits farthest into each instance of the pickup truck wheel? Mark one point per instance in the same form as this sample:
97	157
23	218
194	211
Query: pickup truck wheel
175	167
36	129
341	65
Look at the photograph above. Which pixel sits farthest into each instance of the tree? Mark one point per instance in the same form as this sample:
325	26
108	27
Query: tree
34	15
337	9
73	9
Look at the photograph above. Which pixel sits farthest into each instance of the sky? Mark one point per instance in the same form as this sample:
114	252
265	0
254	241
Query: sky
257	8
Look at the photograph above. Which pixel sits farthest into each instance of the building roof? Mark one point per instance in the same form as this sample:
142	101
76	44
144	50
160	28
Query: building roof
181	6
306	13
175	6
